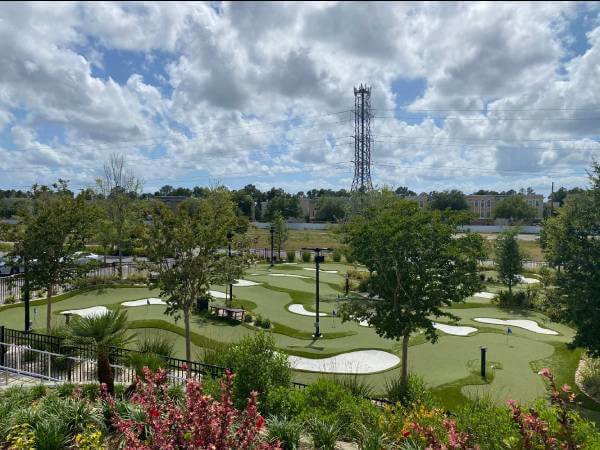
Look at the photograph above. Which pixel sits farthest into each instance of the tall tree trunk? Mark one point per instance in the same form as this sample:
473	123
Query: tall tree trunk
404	379
49	310
510	287
120	257
188	343
105	372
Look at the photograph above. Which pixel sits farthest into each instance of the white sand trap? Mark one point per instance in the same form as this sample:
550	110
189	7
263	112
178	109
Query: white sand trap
453	329
320	270
217	294
290	275
297	308
364	323
363	361
529	325
488	295
144	302
525	280
88	312
244	283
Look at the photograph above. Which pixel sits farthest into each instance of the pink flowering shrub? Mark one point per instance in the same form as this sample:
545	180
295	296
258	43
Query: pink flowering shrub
201	422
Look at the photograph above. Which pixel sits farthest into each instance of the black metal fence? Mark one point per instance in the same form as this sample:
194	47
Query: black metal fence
11	287
52	357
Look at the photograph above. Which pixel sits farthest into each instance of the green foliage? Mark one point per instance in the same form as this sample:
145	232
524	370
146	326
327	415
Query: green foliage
306	257
290	256
283	401
332	209
285	431
152	353
507	299
590	376
514	208
282	232
453	200
285	204
324	434
355	384
258	366
336	256
193	236
402	245
508	258
571	243
414	391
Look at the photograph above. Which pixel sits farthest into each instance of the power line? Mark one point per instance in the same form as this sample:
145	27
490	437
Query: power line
490	118
406	108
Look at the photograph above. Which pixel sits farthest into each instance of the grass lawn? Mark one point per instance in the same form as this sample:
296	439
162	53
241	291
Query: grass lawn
450	366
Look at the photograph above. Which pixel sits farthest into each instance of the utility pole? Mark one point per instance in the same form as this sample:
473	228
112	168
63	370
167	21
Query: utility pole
552	201
318	260
26	295
272	230
229	238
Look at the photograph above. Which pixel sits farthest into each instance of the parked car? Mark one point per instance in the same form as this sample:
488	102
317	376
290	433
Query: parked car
10	266
83	258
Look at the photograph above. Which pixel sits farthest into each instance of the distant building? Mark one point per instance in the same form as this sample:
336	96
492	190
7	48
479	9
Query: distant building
483	206
309	208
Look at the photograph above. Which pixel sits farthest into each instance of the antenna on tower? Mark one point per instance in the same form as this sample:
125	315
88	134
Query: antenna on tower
362	139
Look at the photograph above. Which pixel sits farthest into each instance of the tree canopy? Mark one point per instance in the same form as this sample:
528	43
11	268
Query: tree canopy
418	267
453	200
508	258
572	241
332	209
514	208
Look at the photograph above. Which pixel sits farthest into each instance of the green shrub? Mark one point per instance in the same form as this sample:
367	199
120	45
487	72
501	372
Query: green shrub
414	391
324	434
91	391
355	384
285	431
248	318
10	300
290	256
152	353
50	434
487	423
518	299
330	402
65	389
336	256
284	401
266	323
590	374
306	257
258	366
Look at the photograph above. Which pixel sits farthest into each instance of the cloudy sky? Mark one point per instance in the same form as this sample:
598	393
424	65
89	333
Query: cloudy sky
465	96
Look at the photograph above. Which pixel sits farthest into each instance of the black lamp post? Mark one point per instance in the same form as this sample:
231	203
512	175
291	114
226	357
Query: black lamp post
272	231
229	239
318	260
26	295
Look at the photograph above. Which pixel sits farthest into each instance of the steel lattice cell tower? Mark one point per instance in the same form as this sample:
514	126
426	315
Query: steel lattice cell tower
362	139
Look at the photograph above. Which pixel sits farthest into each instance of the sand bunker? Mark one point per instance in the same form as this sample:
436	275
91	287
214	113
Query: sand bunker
525	280
529	325
297	308
488	295
453	329
244	283
217	294
320	270
144	302
360	362
88	312
290	275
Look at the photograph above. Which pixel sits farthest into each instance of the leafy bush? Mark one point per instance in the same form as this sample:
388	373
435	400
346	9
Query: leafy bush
152	353
248	318
258	366
590	376
290	256
266	323
355	384
306	257
336	256
515	300
284	402
10	300
324	433
285	431
487	423
415	391
200	420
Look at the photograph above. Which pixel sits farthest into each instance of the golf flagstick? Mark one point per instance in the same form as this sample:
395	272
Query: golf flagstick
508	333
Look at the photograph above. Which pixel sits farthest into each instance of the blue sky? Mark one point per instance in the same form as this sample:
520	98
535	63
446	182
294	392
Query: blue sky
465	96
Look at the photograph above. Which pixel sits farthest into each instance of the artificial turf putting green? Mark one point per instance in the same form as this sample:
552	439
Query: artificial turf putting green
446	366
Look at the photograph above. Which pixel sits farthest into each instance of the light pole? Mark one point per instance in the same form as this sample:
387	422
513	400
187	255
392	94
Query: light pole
272	230
229	238
26	294
318	260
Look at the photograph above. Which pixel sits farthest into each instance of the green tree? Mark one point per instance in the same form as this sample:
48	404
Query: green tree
514	208
56	227
572	240
418	266
332	209
453	200
103	331
404	191
282	232
284	204
185	250
508	258
120	188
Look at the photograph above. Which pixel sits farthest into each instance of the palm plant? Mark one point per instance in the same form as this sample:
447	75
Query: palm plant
104	331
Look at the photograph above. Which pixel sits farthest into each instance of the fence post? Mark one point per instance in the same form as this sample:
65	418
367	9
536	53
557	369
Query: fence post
2	349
